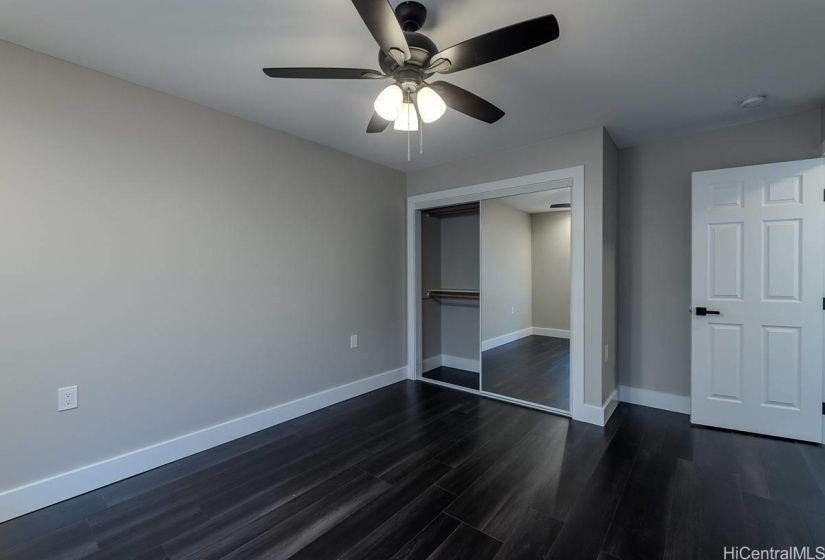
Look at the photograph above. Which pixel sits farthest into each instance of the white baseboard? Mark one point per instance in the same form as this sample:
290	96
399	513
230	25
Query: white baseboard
555	333
42	493
431	363
610	405
655	399
505	339
591	414
461	363
529	331
598	415
450	361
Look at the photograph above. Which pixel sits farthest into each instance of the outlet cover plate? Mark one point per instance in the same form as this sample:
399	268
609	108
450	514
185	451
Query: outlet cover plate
67	398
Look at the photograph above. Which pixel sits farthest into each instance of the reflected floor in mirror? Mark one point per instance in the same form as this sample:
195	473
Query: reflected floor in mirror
534	369
453	376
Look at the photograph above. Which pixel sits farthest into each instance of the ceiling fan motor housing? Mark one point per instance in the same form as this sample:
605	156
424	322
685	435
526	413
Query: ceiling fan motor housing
411	16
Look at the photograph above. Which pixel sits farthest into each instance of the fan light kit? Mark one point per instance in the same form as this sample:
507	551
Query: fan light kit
391	105
408	118
388	103
410	59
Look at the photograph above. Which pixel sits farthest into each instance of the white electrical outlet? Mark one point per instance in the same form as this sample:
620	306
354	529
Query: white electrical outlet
67	398
353	341
512	310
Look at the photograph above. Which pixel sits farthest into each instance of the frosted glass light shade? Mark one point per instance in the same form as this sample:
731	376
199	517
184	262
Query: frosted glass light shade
388	103
430	104
408	119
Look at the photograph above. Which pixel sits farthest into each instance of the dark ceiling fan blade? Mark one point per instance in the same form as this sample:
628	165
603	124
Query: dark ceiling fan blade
377	124
468	103
325	73
496	45
380	19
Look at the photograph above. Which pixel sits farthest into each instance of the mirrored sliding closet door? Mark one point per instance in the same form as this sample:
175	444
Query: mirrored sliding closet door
525	273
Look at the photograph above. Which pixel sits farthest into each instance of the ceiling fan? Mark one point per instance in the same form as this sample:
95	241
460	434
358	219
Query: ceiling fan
411	58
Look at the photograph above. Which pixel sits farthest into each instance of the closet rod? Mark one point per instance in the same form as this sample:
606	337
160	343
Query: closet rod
451	210
454	294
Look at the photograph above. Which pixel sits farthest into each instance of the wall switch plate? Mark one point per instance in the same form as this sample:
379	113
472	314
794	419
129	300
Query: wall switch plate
353	341
67	398
606	354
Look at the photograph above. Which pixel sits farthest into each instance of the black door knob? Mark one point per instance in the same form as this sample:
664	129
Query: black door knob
702	311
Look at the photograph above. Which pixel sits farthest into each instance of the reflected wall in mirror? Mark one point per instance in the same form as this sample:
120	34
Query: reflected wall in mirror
525	257
450	278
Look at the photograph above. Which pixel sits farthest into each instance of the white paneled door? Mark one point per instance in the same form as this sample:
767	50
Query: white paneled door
758	287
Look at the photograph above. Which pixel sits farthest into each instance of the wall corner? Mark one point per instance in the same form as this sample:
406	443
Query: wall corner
821	150
609	375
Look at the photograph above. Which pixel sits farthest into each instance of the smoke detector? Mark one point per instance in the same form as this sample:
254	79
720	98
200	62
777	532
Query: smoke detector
752	101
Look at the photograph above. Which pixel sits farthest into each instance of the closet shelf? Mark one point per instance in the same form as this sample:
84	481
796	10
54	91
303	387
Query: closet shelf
453	294
472	208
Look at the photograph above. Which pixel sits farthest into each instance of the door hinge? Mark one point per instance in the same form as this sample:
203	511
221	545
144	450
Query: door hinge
823	304
823	409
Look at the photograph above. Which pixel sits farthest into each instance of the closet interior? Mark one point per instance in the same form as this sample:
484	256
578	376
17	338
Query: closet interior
450	281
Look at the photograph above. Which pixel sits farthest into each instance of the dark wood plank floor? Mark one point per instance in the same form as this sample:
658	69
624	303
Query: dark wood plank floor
418	471
453	376
534	369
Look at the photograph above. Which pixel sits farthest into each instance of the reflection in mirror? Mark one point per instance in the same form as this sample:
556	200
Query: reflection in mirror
525	255
450	277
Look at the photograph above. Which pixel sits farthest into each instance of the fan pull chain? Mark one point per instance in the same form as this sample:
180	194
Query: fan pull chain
421	135
409	119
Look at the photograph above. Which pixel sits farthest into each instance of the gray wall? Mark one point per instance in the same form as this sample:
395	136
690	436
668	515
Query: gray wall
460	253
551	269
654	237
430	278
822	127
610	376
460	329
579	148
506	270
182	266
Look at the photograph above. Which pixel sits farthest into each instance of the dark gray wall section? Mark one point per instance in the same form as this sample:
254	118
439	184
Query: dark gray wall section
430	278
550	267
460	251
822	128
610	186
460	254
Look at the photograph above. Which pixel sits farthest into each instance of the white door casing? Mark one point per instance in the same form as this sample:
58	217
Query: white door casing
758	247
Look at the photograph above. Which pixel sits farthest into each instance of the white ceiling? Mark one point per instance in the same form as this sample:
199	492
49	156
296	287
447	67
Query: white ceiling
645	69
538	202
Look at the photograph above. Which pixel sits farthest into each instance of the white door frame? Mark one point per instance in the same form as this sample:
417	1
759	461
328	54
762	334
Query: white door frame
568	177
